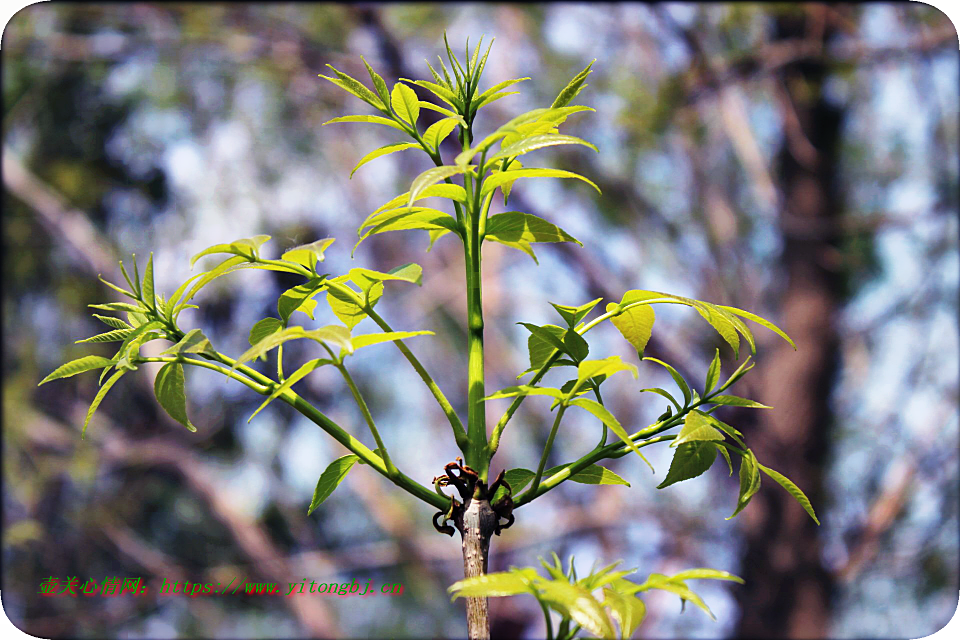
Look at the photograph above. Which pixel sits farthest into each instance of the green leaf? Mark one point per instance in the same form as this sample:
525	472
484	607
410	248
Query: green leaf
192	342
576	603
330	479
450	191
514	227
550	338
491	98
299	297
438	90
355	87
429	177
684	388
505	583
726	456
333	334
438	132
739	373
526	390
689	461
537	142
446	112
749	481
575	345
760	321
665	394
290	380
706	574
696	428
791	488
364	278
405	103
72	368
377	338
573	315
110	321
117	335
594	474
117	306
612	423
606	367
101	394
308	255
519	478
635	325
346	307
495	180
498	87
147	288
245	247
264	328
409	218
367	119
382	92
169	389
117	289
723	325
713	374
662	582
736	401
628	611
574	87
543	342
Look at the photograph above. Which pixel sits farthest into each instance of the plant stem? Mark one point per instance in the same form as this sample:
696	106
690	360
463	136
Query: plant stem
476	523
476	453
365	410
547	448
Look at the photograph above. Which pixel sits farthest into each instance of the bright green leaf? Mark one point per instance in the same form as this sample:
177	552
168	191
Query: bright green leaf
689	461
72	368
405	103
101	394
330	479
791	488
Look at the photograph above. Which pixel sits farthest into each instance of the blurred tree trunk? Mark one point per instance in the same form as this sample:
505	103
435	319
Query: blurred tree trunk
788	590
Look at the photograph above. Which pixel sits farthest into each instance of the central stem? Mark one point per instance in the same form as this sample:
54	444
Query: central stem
476	523
476	453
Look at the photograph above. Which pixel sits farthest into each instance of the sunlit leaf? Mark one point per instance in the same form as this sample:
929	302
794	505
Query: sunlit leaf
101	394
574	87
635	325
245	247
696	428
367	119
514	226
505	583
117	335
612	423
377	338
355	87
495	180
298	297
405	103
330	479
736	401
438	132
72	368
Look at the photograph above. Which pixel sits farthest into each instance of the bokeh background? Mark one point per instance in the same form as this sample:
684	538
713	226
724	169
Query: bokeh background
798	160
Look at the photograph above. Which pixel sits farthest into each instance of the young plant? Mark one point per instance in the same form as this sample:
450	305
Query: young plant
479	508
